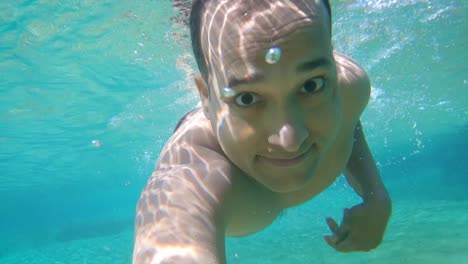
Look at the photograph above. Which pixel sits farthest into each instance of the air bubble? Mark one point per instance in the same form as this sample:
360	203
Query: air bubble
228	92
273	55
96	143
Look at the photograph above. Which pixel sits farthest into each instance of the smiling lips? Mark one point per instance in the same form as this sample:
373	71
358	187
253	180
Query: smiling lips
286	162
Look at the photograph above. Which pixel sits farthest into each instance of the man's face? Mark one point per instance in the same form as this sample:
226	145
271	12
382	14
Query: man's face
275	121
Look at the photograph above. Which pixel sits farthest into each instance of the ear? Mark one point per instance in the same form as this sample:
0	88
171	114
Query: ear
202	88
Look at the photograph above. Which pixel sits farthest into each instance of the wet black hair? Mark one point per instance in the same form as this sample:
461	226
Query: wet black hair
191	15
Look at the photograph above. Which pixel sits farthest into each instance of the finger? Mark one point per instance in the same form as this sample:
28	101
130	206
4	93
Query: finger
342	237
340	232
333	225
346	222
331	240
345	245
346	211
345	227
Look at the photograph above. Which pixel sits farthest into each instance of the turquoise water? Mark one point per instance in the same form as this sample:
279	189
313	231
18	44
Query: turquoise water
74	72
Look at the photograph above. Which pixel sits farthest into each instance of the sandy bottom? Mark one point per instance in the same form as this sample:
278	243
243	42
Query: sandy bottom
419	232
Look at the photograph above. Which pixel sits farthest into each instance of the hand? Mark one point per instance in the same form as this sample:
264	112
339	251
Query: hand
361	229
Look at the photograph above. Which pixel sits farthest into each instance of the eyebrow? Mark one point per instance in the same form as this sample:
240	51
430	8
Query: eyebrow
256	77
312	65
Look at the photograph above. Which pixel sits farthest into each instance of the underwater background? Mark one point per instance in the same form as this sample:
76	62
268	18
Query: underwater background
91	90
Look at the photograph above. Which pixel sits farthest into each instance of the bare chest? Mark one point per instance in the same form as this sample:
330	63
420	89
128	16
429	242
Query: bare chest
253	208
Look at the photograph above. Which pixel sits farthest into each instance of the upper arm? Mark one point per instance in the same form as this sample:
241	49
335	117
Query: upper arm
179	217
356	89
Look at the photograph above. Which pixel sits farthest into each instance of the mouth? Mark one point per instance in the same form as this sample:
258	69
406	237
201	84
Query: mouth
286	161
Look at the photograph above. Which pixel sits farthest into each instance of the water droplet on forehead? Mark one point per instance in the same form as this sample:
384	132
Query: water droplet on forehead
273	55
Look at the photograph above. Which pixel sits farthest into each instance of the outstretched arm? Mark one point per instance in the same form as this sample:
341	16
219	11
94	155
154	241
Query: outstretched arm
363	226
178	218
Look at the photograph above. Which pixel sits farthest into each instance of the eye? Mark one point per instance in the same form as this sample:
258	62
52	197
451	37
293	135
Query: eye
313	85
246	99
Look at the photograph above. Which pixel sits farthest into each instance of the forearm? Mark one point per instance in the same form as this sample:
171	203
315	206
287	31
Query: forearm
176	254
184	241
178	223
361	171
177	234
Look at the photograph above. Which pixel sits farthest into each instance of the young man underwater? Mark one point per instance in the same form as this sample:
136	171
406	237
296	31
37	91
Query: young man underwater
279	122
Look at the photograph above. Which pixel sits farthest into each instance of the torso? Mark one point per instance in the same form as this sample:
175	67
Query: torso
249	207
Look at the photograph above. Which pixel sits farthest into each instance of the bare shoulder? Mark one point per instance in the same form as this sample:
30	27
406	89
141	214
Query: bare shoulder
179	211
192	166
354	82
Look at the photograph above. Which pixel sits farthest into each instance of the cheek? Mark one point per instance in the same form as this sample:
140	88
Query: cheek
238	131
325	121
330	119
236	137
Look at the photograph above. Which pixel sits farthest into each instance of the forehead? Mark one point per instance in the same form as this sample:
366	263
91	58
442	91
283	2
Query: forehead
233	31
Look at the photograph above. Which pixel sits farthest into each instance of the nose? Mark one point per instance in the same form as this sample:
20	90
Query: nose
289	137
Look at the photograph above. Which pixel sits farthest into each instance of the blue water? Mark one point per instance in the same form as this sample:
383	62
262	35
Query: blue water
119	73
